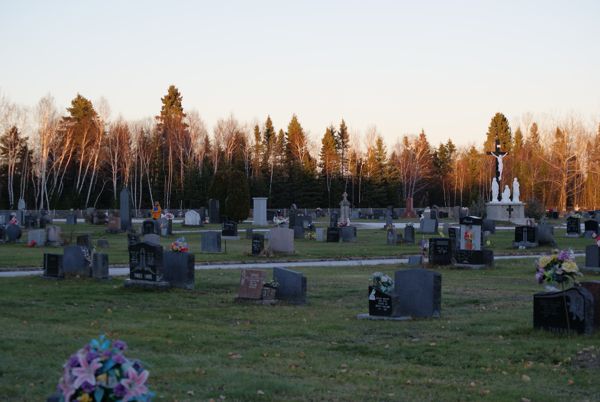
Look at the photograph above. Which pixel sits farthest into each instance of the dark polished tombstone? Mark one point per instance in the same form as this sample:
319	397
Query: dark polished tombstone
298	232
418	292
439	251
53	265
100	266
333	235
454	236
125	209
292	285
211	242
592	257
525	236
409	234
590	226
333	220
573	226
179	269
348	234
150	226
213	211
146	264
380	304
72	219
594	288
13	233
229	229
545	235
258	243
76	260
251	284
488	225
572	309
132	238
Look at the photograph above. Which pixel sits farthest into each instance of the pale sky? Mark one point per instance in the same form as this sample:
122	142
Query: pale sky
444	66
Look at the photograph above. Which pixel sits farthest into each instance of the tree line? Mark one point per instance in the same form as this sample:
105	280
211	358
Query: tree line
82	158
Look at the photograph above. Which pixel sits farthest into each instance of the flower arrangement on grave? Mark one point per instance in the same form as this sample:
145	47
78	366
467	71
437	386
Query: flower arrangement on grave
382	282
100	372
596	238
559	267
271	284
180	245
169	216
310	235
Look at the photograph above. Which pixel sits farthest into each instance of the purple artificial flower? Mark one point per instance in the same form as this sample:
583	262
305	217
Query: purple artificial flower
564	255
539	275
138	366
66	387
119	358
87	387
73	361
119	344
106	354
134	383
91	356
87	371
120	390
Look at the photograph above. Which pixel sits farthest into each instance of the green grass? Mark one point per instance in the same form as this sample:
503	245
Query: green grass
200	344
370	243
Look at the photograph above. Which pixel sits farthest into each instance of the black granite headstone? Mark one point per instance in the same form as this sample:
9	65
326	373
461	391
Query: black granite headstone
53	265
590	226
572	309
146	262
213	211
125	209
440	252
409	234
380	304
229	229
179	269
418	292
525	236
100	266
545	235
333	220
592	256
13	233
76	260
132	239
292	285
488	225
150	226
333	235
258	243
573	226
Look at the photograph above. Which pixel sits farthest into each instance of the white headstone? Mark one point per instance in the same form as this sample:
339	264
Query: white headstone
191	218
21	204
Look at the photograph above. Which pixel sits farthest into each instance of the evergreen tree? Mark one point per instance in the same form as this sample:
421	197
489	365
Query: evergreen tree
329	160
498	127
342	140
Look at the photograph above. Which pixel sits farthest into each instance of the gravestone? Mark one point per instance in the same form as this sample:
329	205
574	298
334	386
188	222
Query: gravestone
418	293
169	227
151	238
573	226
53	265
13	233
249	233
76	261
333	220
489	225
258	243
380	304
150	226
348	234
44	219
333	235
38	236
102	243
229	229
163	224
292	285
132	238
146	266
345	210
85	241
72	219
259	211
409	234
125	209
191	218
545	235
211	242
415	260
389	221
454	236
2	234
594	288
525	236
100	266
592	258
470	252
251	284
281	240
213	211
114	224
53	235
31	221
391	237
590	227
298	232
440	252
321	234
560	311
428	226
179	269
202	213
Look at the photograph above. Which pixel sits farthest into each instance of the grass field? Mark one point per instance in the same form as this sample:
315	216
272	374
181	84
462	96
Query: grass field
370	243
200	345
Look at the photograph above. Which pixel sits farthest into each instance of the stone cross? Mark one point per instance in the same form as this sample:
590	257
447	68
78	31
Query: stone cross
499	155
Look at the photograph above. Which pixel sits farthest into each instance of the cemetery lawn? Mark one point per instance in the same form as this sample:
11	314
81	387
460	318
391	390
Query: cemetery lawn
371	243
200	345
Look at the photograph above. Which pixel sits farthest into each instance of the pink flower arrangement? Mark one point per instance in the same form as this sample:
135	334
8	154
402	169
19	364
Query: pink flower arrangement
100	372
180	245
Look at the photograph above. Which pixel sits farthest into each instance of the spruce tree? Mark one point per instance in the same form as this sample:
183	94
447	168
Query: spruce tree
498	127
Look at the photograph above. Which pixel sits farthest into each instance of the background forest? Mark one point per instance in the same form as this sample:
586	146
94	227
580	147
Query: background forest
81	158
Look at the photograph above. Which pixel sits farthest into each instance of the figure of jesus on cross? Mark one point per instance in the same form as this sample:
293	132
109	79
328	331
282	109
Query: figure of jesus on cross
499	155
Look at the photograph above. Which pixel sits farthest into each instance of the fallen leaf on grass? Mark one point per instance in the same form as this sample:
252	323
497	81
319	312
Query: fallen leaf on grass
234	356
525	378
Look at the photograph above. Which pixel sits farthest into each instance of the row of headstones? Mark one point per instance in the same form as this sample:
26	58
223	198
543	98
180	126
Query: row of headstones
574	227
77	259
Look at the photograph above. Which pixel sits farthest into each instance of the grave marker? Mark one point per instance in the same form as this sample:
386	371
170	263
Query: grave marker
418	292
281	240
251	284
552	314
53	266
179	269
573	226
211	242
292	285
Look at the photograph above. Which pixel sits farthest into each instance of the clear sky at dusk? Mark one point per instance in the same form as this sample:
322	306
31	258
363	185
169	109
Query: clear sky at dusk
444	66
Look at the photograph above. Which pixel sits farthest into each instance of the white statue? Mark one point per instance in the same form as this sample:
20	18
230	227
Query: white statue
516	190
495	189
500	164
506	194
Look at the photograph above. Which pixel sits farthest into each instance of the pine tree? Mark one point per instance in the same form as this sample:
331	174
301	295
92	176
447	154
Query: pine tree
329	160
498	127
342	138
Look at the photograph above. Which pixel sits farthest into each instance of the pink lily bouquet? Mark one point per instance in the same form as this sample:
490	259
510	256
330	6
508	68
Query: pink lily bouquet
101	372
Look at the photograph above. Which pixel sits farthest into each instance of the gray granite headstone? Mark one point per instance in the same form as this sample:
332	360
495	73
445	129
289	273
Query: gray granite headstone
13	233
53	235
298	232
38	236
592	257
348	233
75	261
419	293
409	234
292	285
545	235
72	219
179	269
429	226
281	240
213	211
100	266
211	242
164	226
151	238
125	209
321	234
